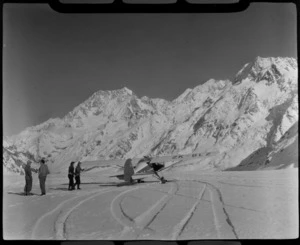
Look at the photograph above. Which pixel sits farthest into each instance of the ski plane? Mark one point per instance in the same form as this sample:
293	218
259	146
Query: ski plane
136	169
143	169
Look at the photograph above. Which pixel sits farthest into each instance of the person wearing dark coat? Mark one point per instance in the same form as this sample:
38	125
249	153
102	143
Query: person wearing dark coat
28	179
71	176
43	172
77	175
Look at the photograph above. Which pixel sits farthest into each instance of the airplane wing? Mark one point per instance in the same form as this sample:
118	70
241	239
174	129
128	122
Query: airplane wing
135	161
102	163
108	163
143	170
178	157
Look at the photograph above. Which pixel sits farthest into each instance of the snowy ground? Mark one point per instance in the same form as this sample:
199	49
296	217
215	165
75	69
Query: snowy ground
212	205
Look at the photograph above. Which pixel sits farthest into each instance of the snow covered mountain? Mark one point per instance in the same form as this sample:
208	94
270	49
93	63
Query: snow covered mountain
239	118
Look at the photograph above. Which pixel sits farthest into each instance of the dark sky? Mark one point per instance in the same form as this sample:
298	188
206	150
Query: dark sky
52	62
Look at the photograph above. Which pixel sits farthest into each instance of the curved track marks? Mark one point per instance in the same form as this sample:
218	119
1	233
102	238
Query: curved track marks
147	217
42	224
222	221
60	223
117	211
223	225
144	225
179	228
133	227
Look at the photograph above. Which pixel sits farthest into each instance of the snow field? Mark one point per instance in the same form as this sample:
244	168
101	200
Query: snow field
193	205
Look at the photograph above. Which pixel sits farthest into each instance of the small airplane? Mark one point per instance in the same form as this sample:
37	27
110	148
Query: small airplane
145	167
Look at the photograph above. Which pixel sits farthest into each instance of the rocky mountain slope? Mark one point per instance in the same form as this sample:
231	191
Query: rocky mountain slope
254	112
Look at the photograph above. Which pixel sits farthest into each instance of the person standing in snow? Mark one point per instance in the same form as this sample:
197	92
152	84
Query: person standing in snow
28	178
71	176
77	175
43	172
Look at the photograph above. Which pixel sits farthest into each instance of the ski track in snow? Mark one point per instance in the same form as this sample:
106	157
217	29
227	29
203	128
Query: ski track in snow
223	223
143	221
135	227
140	227
117	211
179	228
59	223
222	220
132	227
187	206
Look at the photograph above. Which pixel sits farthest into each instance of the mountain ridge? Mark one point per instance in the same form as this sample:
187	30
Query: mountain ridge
221	115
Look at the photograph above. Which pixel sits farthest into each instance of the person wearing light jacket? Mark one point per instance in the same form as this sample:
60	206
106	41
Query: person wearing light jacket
43	172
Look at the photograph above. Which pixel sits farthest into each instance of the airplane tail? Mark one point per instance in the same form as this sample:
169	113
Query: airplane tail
128	170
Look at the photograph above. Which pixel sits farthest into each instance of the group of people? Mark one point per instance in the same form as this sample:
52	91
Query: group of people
74	172
43	172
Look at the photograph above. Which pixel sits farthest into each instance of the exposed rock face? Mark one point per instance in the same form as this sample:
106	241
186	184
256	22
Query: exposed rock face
253	113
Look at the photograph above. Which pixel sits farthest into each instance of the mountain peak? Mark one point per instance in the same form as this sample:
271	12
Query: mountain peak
261	65
108	92
280	62
127	90
263	62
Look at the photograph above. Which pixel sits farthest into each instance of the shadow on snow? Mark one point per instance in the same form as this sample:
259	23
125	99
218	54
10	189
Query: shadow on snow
116	184
23	194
